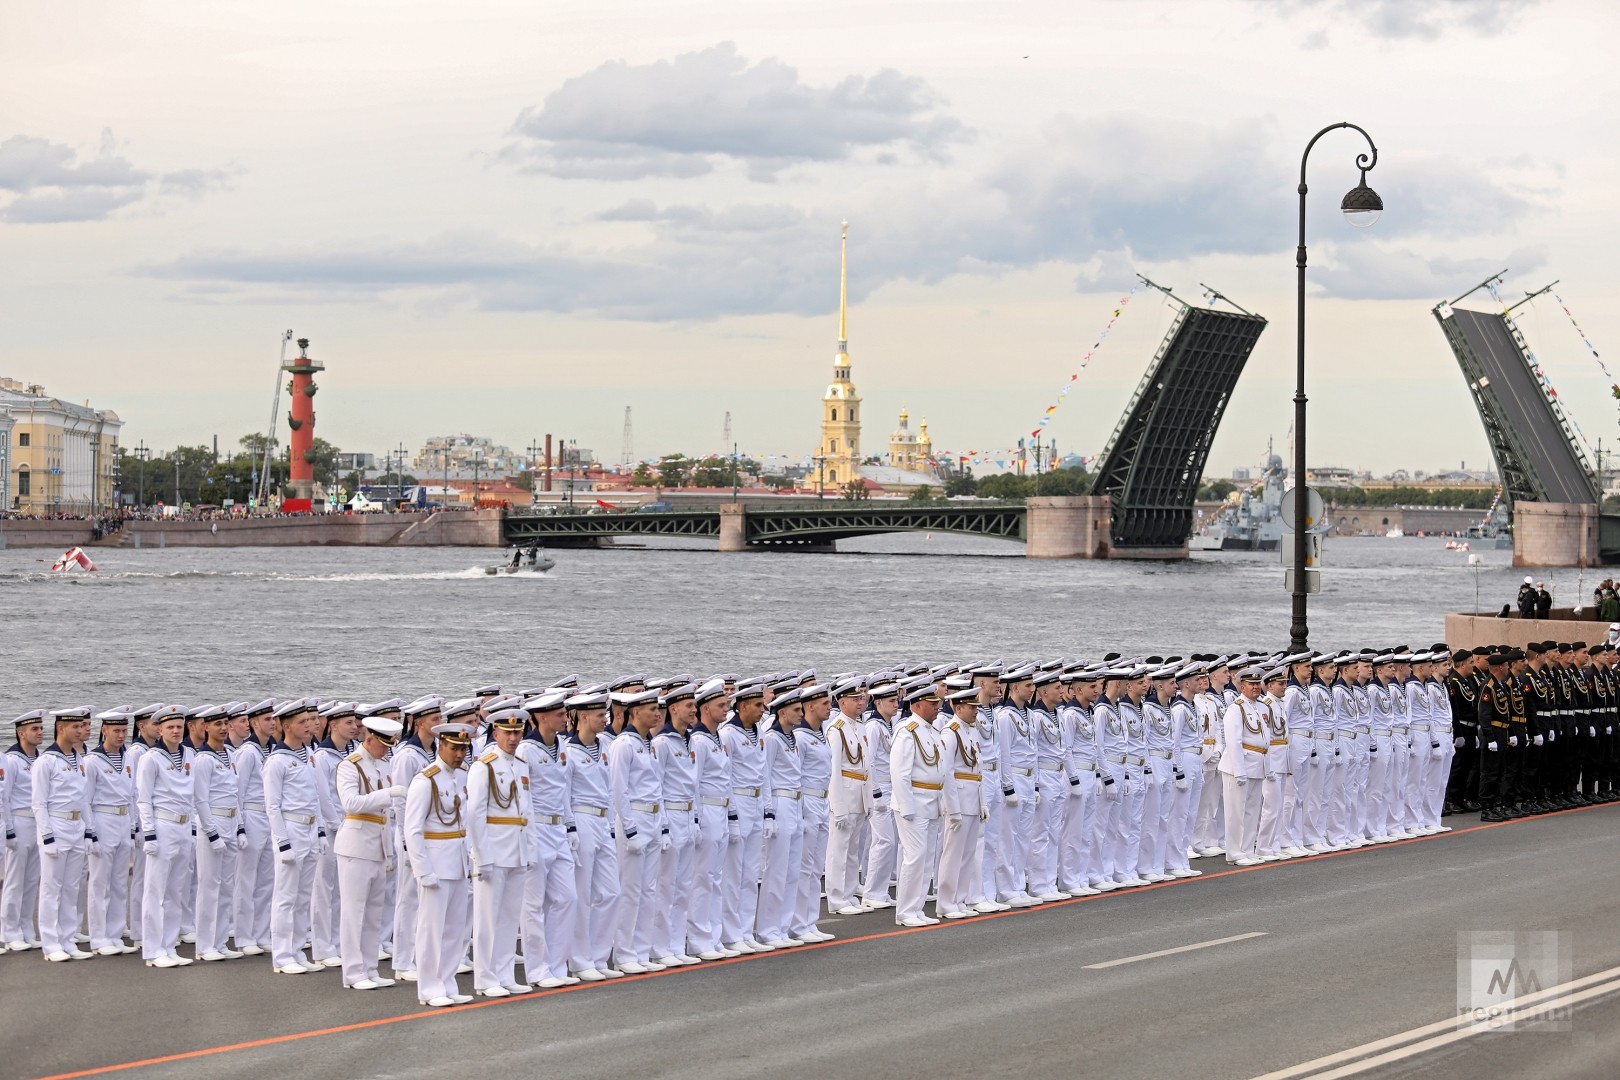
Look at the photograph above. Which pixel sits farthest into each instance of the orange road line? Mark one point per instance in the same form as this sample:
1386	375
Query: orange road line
274	1040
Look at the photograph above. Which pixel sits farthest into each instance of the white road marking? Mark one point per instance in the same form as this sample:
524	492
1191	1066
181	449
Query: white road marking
1432	1036
1172	952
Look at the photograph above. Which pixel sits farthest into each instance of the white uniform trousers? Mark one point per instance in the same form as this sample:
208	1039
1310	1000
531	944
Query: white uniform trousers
362	891
1333	796
779	872
216	879
1017	829
1300	767
1242	816
137	886
740	879
391	876
255	878
703	921
916	836
19	898
1108	838
675	870
290	892
1183	812
987	848
107	916
959	878
441	936
1157	777
1437	770
1270	838
1046	839
164	886
812	863
1380	762
881	850
1077	865
188	891
1313	794
638	892
497	898
407	898
1208	825
325	905
596	893
843	862
1128	849
1360	776
1400	765
548	904
61	884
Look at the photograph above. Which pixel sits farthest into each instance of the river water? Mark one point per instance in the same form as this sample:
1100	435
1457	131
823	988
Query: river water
196	625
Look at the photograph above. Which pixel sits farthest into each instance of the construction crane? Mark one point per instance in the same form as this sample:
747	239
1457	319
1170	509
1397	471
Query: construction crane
261	491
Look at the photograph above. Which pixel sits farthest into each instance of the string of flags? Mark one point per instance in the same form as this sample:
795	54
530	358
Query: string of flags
1589	346
1490	511
1119	309
1536	369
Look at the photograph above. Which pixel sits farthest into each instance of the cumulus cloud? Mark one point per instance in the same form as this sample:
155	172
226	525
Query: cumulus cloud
53	182
1368	271
1420	20
683	117
1096	194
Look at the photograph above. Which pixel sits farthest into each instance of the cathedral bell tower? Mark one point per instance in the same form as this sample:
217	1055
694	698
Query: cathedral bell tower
840	450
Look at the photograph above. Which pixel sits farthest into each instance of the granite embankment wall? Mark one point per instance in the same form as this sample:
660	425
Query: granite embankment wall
471	528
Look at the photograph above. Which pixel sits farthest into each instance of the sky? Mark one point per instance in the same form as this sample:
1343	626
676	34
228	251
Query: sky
510	219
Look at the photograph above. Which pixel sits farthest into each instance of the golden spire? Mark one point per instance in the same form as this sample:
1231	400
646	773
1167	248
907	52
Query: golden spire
843	290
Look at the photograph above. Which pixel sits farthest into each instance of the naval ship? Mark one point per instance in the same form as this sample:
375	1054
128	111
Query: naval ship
1252	523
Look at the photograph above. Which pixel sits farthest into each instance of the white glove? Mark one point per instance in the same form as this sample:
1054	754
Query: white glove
149	847
910	818
637	843
984	813
1457	743
1491	746
1242	781
477	871
241	841
843	823
953	822
734	829
51	850
217	842
1124	787
1513	740
323	845
1609	730
1538	740
1182	784
396	792
1552	736
95	845
1592	731
770	829
665	842
283	857
1436	751
428	881
1112	790
1011	798
573	841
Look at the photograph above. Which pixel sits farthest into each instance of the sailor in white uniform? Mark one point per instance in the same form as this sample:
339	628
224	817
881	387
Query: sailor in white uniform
717	824
815	779
19	897
917	768
639	826
882	848
783	827
60	798
1188	738
112	801
412	754
963	808
1051	786
848	785
1078	861
750	802
342	731
220	837
596	863
677	767
256	864
295	806
364	847
1243	767
165	801
498	843
549	891
434	828
1018	761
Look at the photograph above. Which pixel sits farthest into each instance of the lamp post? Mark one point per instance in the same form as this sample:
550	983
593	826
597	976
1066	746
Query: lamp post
478	457
142	453
1361	207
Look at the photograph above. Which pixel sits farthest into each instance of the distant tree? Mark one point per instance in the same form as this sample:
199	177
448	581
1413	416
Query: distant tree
712	471
643	476
963	483
674	470
856	491
921	494
1216	490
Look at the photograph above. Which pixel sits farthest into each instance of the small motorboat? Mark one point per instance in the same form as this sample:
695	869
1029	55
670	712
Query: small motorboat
529	560
73	559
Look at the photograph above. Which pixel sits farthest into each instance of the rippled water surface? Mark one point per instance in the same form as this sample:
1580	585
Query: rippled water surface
199	625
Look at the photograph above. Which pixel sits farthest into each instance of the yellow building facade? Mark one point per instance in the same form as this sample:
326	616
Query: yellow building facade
911	450
63	457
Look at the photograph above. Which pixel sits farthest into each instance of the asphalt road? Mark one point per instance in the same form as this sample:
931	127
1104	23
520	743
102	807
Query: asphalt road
1327	954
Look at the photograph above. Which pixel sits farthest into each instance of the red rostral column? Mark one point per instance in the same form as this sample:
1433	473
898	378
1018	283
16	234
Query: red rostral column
300	495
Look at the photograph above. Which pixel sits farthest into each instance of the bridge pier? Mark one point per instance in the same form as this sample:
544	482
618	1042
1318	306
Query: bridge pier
1555	534
1068	527
733	527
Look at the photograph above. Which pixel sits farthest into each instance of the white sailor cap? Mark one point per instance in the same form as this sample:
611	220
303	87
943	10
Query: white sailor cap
677	693
501	701
508	719
940	671
925	693
852	684
807	675
423	707
337	710
488	691
550	701
167	712
748	690
567	681
783	700
75	712
1046	678
452	709
385	729
1250	674
1163	671
1190	669
377	708
815	690
34	716
595	688
1298	658
1324	659
958	682
203	712
994	667
642	697
885	690
118	716
1276	673
627	680
714	688
970	695
595	700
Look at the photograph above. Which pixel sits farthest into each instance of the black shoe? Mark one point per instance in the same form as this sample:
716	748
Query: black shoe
1492	815
1471	806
